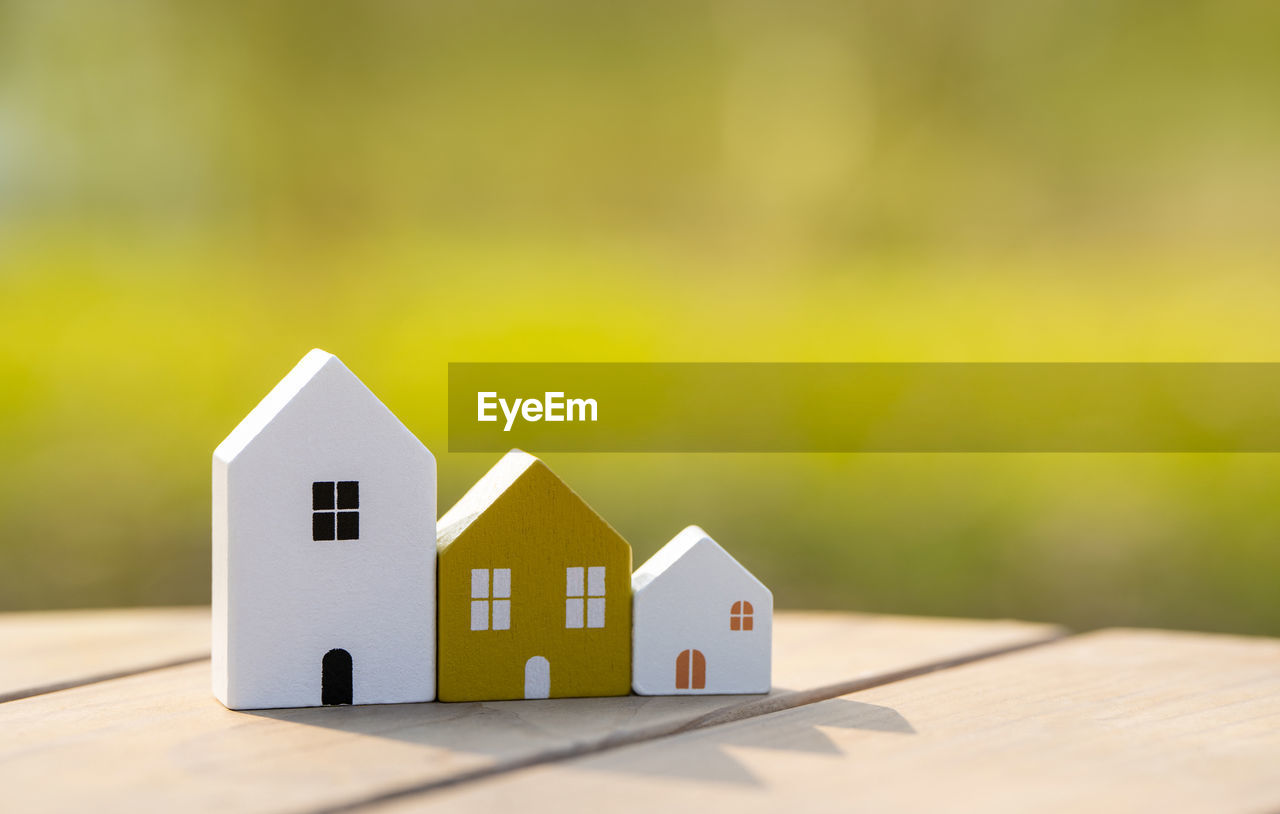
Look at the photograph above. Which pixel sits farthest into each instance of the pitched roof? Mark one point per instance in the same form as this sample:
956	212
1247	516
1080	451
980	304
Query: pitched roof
481	495
318	367
687	540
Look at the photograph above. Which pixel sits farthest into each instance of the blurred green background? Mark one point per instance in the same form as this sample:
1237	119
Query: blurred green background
193	195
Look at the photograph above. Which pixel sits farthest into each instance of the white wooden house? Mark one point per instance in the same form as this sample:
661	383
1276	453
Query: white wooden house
701	623
324	555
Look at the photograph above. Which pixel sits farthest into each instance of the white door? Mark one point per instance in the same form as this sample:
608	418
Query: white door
537	678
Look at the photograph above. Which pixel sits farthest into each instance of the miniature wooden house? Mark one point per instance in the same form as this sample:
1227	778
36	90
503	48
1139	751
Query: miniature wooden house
323	554
702	622
535	591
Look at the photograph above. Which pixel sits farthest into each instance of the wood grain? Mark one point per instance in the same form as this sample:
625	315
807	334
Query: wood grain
49	650
159	740
1113	721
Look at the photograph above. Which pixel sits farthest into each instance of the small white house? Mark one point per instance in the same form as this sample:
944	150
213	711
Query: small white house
701	623
324	555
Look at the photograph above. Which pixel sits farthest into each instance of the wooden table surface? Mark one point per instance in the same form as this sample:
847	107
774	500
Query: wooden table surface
112	711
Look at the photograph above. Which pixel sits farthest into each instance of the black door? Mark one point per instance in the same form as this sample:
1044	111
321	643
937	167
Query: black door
335	679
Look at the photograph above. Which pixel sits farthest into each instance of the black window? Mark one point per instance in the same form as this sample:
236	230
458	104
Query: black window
334	510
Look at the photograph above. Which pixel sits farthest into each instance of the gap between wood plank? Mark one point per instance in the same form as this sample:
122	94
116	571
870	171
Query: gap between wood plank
749	709
45	689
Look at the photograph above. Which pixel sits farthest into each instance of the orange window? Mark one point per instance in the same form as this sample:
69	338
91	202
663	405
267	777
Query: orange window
741	616
691	670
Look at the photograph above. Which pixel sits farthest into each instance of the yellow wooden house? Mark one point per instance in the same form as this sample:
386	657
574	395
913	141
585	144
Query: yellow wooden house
534	591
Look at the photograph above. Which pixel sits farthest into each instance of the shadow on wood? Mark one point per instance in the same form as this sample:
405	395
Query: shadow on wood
560	729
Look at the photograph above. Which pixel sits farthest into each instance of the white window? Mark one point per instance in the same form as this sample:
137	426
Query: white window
584	596
490	599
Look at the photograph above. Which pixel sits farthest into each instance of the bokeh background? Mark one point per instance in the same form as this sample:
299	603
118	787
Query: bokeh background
192	195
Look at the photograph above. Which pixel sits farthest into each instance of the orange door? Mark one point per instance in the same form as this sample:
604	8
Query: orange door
691	670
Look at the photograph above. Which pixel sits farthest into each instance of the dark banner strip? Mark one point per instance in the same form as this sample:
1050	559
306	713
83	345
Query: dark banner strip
864	407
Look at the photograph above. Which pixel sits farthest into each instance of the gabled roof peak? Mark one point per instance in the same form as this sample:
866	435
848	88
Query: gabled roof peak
690	538
483	493
304	373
